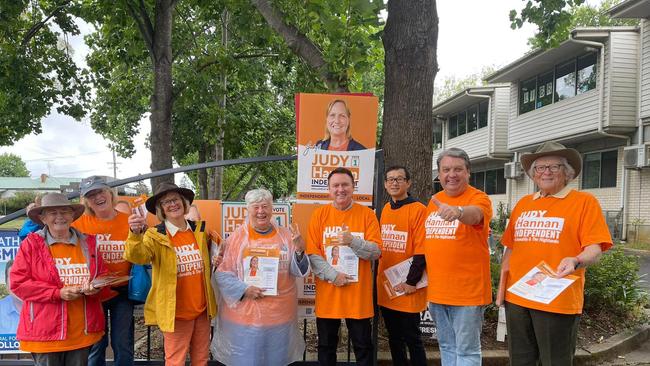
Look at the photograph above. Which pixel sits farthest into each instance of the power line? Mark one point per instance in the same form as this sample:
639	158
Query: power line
65	156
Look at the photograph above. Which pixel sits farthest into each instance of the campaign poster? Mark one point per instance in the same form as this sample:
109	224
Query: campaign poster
10	305
300	215
335	130
428	325
233	215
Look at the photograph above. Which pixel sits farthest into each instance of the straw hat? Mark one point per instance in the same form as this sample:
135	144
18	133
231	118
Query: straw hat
54	200
552	148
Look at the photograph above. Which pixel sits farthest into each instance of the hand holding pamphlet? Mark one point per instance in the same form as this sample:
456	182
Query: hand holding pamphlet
397	274
541	284
261	267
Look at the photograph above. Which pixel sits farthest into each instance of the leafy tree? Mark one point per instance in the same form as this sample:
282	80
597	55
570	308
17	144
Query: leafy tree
37	72
556	18
452	85
12	165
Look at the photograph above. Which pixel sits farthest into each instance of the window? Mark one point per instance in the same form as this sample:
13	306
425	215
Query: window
453	126
489	181
586	73
599	169
437	137
462	123
482	114
565	80
544	89
527	97
472	118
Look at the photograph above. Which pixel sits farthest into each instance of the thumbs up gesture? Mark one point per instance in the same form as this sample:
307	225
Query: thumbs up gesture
344	236
445	211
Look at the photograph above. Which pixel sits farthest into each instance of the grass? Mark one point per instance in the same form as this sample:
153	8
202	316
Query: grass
638	245
13	224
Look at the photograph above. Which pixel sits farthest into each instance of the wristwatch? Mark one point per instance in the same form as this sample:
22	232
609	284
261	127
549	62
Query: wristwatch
461	210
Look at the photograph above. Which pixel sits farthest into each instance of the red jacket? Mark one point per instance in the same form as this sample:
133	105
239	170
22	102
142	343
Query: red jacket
35	280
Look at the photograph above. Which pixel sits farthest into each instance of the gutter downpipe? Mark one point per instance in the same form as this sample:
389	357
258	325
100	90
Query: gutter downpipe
601	118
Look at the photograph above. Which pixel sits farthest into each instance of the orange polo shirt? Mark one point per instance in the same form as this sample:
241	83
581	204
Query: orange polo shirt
402	234
458	257
353	300
190	291
73	271
550	229
111	235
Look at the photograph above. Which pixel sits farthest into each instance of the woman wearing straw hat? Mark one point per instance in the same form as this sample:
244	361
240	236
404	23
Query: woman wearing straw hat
564	228
62	313
181	301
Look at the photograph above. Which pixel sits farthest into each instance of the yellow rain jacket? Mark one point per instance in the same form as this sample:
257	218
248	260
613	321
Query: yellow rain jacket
154	247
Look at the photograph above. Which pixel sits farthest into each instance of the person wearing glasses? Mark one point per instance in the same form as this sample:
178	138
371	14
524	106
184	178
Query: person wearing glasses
566	229
111	228
181	300
62	314
402	232
458	260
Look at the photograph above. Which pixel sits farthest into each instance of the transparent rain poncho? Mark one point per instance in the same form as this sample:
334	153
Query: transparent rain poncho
258	331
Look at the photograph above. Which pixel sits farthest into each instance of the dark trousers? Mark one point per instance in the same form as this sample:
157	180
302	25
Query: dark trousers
120	330
540	338
404	331
77	357
360	333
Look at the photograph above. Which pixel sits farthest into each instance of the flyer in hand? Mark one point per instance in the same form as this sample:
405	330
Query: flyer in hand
541	284
397	274
109	279
261	267
343	259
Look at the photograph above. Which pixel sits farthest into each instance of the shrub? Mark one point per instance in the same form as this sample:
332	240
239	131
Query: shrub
613	284
17	202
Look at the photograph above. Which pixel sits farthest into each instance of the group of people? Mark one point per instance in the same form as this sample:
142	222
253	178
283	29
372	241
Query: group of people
64	315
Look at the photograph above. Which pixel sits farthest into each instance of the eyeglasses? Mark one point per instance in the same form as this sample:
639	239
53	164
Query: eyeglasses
169	202
399	180
554	168
55	213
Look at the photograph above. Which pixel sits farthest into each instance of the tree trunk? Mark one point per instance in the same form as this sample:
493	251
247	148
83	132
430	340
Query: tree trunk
218	146
203	174
410	44
161	101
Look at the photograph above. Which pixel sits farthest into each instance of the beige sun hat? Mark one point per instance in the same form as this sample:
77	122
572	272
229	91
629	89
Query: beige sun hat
552	148
54	200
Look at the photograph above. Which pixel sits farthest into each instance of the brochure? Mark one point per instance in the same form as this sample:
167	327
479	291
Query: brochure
541	284
108	280
397	274
261	268
343	259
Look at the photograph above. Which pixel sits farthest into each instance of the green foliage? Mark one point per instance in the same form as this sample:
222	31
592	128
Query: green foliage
37	72
498	223
452	85
613	284
556	18
12	165
17	202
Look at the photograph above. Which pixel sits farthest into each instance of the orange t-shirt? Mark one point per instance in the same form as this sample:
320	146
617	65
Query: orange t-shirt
73	271
190	291
550	229
353	300
111	235
402	233
458	257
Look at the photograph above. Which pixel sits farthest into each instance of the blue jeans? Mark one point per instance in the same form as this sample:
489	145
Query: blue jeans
459	333
121	332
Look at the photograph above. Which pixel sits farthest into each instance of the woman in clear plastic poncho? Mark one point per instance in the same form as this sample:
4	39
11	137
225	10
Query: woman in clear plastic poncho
254	327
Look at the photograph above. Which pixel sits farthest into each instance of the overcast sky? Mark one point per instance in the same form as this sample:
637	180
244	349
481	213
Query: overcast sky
472	34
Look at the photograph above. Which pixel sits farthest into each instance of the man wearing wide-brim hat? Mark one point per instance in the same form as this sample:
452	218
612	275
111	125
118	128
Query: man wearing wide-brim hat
565	229
181	300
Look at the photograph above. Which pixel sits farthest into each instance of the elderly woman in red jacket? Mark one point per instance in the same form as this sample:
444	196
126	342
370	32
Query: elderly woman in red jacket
62	313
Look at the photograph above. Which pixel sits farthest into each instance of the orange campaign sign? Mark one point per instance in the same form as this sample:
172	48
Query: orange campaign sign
234	213
300	215
335	130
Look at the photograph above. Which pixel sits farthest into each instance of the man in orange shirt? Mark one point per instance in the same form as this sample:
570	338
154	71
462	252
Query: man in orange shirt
402	232
344	291
564	228
458	260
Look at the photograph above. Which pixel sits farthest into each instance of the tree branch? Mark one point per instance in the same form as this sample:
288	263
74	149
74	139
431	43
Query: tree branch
296	41
36	27
147	37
